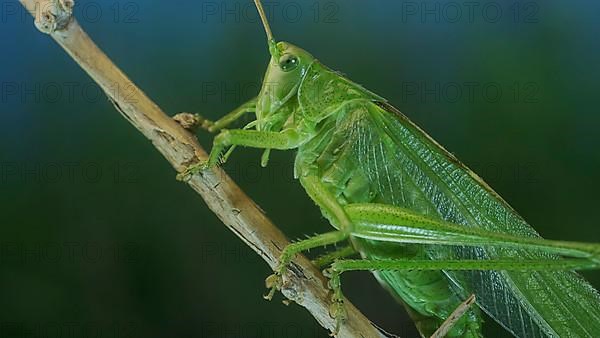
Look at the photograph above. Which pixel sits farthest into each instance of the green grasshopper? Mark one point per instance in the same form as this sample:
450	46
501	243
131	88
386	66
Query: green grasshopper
430	229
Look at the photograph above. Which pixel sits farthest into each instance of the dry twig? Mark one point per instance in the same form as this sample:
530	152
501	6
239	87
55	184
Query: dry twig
304	285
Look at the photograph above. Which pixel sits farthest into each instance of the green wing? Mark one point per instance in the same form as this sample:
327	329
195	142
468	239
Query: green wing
405	167
412	170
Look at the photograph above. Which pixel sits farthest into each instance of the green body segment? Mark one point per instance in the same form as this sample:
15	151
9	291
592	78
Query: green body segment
364	151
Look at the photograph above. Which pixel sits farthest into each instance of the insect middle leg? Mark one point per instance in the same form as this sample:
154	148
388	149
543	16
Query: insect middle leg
274	281
284	140
333	211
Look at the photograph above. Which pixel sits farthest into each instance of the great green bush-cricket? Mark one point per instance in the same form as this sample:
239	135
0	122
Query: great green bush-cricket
429	228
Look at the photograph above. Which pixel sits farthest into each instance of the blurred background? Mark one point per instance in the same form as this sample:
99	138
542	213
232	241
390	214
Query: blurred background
98	239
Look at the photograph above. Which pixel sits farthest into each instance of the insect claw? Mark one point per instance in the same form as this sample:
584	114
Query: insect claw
269	296
183	177
190	171
338	312
207	125
273	282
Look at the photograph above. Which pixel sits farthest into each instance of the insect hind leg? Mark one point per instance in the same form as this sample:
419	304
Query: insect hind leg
392	224
338	267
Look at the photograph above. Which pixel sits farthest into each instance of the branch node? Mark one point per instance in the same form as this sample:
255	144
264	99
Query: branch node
54	15
188	121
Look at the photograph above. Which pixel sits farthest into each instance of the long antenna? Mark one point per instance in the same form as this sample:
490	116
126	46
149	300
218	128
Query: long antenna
263	17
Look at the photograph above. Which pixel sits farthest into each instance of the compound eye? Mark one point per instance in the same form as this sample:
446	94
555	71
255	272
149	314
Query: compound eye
288	62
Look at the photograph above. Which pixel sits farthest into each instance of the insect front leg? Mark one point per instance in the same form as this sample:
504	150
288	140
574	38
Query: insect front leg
225	121
193	121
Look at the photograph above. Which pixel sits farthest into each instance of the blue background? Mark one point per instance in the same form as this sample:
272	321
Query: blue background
97	238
